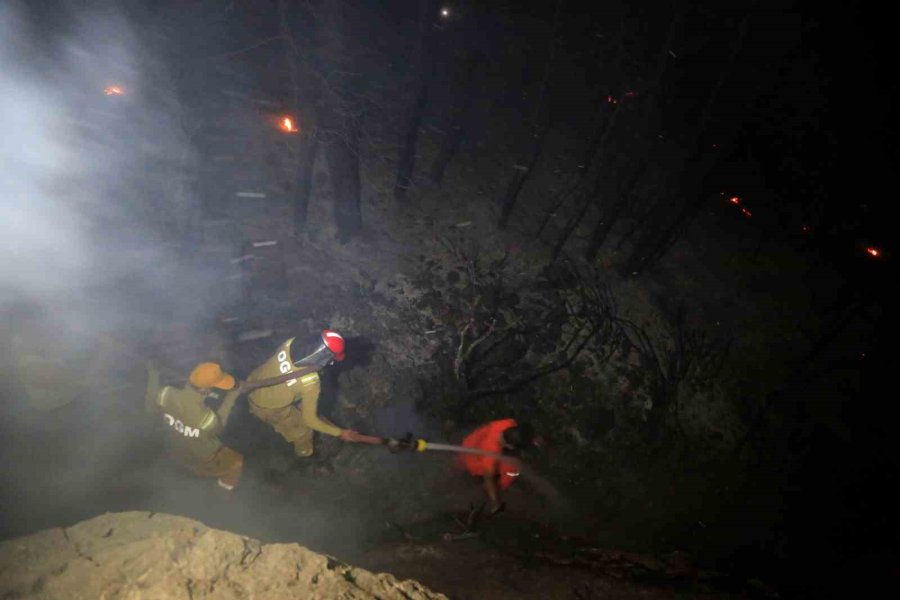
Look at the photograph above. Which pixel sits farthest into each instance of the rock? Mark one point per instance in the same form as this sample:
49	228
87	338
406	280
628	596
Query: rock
148	555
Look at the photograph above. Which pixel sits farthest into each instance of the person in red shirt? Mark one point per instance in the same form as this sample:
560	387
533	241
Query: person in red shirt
498	437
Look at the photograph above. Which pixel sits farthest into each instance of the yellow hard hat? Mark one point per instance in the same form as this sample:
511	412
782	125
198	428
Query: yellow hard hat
207	375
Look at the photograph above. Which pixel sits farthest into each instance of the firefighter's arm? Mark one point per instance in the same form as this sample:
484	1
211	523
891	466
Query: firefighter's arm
309	394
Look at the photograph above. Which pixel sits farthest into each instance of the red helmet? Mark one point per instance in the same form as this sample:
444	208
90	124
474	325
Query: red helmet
335	343
321	352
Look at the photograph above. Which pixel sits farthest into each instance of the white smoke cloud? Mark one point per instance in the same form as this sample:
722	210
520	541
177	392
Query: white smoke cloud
42	242
91	184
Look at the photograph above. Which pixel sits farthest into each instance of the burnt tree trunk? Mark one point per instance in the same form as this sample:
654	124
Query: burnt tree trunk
540	127
597	137
303	98
424	62
338	127
452	140
345	182
575	219
306	157
590	152
692	191
610	214
591	197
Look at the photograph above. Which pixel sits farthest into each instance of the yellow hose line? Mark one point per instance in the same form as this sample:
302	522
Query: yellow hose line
420	445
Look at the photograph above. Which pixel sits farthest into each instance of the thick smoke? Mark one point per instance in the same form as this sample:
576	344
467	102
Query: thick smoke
97	224
95	208
101	240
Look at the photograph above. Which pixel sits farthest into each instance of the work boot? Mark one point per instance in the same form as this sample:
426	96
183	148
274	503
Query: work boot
224	489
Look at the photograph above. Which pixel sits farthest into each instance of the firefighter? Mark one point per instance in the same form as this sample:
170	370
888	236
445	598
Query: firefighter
194	417
504	436
292	407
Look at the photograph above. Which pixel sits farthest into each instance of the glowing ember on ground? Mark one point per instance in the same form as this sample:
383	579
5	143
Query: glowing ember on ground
287	124
873	251
805	228
746	212
735	200
113	90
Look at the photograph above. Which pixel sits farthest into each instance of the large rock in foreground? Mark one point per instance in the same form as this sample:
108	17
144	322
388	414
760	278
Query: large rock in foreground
148	555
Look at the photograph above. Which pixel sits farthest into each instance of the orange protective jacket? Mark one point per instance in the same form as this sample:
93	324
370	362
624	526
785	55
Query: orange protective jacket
489	438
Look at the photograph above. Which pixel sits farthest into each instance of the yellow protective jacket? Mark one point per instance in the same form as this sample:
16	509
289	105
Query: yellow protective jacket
304	390
192	428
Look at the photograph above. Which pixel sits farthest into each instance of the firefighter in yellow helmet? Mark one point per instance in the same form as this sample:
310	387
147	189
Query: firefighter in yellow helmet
292	407
194	417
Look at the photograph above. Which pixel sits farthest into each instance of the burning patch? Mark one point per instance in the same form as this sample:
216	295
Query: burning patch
287	124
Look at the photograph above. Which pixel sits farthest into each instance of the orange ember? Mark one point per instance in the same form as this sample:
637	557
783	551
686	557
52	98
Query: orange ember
735	200
113	90
287	124
746	212
873	251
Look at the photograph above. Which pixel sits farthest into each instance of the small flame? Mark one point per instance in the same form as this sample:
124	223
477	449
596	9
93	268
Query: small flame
287	124
735	199
611	100
746	212
113	90
804	228
873	251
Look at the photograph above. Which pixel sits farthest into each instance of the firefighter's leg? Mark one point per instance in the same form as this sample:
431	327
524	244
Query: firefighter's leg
230	465
288	421
226	465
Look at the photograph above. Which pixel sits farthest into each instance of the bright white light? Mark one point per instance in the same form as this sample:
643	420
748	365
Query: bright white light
445	12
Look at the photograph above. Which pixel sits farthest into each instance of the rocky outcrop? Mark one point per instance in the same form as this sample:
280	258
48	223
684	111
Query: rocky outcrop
150	555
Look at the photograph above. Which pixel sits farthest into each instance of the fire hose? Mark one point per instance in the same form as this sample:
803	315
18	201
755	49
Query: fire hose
407	442
420	445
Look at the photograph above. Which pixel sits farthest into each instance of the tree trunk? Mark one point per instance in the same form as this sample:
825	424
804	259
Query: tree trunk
306	150
302	110
454	137
521	172
592	196
610	215
344	158
575	219
598	136
339	128
520	175
587	160
424	61
692	192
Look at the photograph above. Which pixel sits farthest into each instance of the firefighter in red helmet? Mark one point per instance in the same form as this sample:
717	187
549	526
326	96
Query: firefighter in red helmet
292	407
